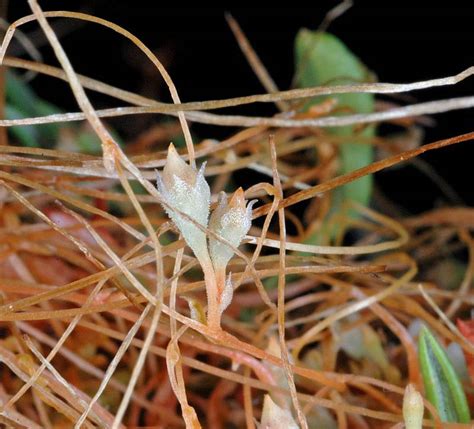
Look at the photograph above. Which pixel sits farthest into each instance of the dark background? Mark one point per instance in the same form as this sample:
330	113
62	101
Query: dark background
401	44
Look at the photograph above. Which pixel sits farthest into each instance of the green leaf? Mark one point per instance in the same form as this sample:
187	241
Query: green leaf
20	95
21	98
442	386
323	60
27	135
88	142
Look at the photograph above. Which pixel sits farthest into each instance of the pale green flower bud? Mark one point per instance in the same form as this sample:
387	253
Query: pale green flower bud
230	220
185	189
274	417
413	408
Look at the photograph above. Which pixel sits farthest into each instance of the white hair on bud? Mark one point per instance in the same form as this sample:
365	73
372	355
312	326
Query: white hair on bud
227	294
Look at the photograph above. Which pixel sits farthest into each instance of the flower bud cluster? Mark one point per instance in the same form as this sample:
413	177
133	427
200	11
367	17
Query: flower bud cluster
185	191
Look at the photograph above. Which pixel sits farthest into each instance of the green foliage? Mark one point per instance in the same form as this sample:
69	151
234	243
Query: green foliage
442	385
23	102
322	59
27	135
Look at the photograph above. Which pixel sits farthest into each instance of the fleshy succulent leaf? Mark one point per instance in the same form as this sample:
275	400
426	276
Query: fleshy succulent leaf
442	385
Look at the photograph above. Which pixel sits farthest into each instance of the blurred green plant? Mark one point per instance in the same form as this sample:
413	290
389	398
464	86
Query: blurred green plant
23	102
323	59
